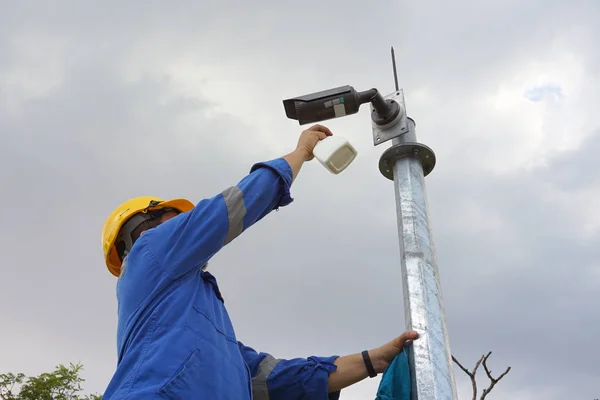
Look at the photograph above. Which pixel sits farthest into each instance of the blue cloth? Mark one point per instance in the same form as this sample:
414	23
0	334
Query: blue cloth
174	336
395	383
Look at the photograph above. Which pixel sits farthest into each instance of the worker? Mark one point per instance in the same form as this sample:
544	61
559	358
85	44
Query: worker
174	336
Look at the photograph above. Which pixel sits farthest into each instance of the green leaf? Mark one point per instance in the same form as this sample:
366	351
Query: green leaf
64	383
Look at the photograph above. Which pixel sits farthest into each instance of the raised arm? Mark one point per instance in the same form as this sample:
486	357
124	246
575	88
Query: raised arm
315	377
188	241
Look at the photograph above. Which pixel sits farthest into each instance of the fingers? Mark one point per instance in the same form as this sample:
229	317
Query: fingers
410	335
321	135
321	128
405	337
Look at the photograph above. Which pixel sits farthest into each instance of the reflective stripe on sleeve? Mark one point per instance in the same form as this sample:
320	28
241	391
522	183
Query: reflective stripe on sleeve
260	391
236	211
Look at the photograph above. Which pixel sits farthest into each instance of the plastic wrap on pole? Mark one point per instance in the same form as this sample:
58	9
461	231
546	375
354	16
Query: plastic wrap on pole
430	358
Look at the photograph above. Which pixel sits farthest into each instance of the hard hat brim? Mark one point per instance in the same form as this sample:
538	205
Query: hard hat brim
182	205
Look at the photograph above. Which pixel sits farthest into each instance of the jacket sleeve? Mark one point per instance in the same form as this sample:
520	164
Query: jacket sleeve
294	379
189	240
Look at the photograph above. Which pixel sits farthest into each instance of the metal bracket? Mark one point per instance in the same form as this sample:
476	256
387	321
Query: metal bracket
397	127
425	155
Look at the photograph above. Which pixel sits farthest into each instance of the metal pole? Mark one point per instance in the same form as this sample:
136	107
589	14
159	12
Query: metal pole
407	162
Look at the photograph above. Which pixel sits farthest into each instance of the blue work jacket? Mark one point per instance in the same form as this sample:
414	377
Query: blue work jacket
175	339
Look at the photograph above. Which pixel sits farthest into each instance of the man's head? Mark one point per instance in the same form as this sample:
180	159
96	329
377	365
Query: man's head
130	220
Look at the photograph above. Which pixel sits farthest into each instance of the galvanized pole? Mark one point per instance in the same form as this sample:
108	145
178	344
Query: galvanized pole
407	162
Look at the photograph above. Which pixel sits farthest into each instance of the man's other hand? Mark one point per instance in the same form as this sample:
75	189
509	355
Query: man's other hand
382	356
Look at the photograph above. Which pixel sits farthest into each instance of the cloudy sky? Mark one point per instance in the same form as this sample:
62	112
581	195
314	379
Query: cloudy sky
102	101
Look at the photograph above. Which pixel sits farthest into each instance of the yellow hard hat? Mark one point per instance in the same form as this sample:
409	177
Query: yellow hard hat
121	214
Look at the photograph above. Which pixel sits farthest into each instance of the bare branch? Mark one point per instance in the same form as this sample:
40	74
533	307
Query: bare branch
493	380
483	360
471	374
461	367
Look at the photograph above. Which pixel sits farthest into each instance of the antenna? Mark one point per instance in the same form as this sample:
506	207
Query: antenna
395	71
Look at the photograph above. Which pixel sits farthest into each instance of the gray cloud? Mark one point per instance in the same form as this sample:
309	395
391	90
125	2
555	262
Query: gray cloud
101	103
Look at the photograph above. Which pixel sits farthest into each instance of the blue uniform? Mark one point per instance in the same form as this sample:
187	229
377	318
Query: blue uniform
175	339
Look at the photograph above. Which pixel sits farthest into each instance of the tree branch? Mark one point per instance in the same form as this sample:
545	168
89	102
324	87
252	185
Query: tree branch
471	374
493	380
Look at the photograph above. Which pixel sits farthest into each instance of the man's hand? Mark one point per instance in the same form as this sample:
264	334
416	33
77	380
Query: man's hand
309	139
306	144
351	369
382	356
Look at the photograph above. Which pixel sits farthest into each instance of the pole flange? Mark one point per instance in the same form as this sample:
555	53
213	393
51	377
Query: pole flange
401	150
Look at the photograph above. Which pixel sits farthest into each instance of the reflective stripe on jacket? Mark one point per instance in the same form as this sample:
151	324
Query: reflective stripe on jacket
174	337
295	379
